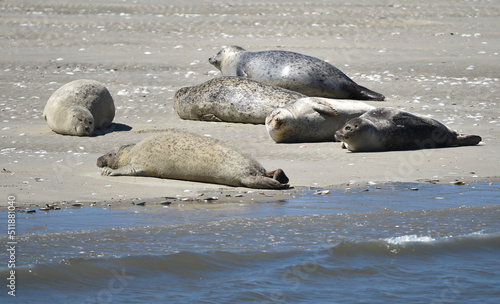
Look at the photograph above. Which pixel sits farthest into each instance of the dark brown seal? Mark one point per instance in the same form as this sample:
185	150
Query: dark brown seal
383	129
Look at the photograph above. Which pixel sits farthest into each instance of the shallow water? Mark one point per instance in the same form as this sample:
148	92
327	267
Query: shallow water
437	244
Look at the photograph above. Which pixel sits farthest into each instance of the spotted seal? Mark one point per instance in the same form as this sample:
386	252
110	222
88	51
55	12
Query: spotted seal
384	128
231	99
312	119
79	107
293	71
188	156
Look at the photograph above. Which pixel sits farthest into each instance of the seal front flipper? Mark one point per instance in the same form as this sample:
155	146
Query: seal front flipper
325	109
210	117
241	73
123	171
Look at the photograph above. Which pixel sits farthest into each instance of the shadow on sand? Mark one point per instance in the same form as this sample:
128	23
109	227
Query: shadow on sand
114	127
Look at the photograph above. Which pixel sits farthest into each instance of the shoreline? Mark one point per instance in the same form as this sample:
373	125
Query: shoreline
229	195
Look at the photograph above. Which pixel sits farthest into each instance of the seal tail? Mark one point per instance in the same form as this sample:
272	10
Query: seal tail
362	93
468	140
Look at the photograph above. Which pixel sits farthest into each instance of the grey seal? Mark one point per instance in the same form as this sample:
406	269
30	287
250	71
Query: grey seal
384	128
188	156
79	107
312	119
231	99
293	71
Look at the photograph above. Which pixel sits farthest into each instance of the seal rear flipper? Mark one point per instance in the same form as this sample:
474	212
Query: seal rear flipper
362	93
468	140
278	175
262	182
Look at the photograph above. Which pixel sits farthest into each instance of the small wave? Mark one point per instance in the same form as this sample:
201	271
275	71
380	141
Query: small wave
180	265
409	239
414	244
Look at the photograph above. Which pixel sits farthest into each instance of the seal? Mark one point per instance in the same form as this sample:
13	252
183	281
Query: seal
312	119
79	107
231	99
293	71
188	156
383	129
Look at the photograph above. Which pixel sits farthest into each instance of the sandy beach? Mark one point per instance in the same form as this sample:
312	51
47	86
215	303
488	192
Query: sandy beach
433	58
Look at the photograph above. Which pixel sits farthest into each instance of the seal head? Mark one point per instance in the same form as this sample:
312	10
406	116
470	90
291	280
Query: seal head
225	58
82	121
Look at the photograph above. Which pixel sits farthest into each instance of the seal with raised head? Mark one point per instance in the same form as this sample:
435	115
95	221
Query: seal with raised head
187	156
383	129
293	71
79	107
312	119
231	99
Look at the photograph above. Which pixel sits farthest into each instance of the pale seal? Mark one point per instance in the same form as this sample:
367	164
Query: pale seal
187	156
383	129
312	119
293	71
231	99
79	107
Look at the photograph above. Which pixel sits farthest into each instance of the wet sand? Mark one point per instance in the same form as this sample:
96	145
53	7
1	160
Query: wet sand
438	59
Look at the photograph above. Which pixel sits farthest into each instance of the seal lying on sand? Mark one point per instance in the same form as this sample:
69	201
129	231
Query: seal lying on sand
293	71
312	119
187	156
384	129
231	99
79	107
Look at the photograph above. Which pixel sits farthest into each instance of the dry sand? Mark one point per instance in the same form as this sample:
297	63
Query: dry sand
433	58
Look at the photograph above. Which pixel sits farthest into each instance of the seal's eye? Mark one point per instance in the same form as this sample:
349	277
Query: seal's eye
348	128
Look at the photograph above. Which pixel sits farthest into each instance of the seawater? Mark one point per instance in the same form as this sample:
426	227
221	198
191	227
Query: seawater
385	244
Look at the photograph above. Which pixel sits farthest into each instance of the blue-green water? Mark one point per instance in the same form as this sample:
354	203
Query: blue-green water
440	244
